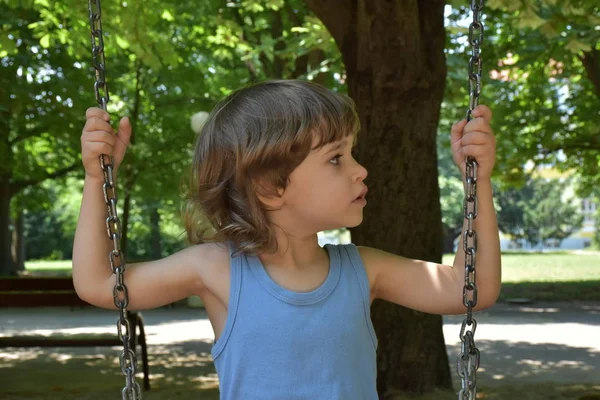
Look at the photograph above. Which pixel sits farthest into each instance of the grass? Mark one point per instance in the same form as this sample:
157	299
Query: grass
557	276
55	268
547	267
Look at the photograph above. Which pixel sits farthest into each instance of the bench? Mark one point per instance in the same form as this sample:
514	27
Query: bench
60	292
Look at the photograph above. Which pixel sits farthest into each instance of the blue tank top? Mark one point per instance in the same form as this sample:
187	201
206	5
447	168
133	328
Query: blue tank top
283	345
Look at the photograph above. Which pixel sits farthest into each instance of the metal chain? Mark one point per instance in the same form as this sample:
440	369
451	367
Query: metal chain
469	357
127	358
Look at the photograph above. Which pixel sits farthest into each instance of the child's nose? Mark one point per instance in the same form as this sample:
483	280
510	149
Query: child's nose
361	172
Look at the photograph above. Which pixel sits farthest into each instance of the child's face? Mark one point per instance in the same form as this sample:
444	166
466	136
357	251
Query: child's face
323	189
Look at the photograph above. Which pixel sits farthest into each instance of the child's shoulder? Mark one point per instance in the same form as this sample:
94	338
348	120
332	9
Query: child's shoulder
212	260
215	254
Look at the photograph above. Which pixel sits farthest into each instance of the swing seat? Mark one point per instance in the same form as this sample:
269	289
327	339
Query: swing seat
25	292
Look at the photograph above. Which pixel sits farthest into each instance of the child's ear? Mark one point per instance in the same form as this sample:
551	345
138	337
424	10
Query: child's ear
270	196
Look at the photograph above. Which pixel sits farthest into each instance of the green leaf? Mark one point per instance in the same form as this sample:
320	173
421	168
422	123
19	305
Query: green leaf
122	42
45	41
575	46
166	15
7	46
530	19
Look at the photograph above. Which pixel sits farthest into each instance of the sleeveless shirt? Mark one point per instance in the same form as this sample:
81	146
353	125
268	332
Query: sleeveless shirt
278	344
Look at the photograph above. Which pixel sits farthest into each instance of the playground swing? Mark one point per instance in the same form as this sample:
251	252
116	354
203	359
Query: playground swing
469	357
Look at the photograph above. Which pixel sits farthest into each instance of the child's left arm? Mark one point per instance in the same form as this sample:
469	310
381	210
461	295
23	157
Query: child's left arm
435	288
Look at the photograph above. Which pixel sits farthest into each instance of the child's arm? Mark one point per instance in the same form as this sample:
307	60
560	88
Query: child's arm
149	284
436	288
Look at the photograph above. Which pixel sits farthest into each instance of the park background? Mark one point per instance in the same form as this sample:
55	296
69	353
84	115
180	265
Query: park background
405	65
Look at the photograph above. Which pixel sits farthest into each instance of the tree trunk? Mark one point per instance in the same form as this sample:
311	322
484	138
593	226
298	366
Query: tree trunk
18	243
393	53
155	243
6	260
449	236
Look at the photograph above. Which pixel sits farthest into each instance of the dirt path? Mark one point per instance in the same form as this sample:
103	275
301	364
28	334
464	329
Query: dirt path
557	343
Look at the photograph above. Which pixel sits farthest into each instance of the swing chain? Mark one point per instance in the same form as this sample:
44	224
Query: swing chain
95	13
127	357
469	357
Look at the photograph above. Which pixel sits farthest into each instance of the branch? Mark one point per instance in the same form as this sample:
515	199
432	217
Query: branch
591	63
292	15
179	100
28	134
249	64
582	146
17	186
280	45
336	16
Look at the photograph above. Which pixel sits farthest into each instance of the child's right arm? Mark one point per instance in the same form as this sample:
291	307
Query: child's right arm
150	284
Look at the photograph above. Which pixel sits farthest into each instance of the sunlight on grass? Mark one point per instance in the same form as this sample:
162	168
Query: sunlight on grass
48	265
551	267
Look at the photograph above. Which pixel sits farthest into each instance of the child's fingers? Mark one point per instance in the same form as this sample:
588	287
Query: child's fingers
123	138
97	124
124	132
99	136
476	137
472	151
98	113
456	132
482	111
98	148
478	124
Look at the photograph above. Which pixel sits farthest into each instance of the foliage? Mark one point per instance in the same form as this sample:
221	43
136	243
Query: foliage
538	212
545	98
165	62
36	142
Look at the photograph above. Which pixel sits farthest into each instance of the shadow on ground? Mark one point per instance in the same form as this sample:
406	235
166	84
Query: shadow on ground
181	371
517	363
185	371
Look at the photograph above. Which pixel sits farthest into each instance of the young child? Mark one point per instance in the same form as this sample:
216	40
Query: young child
272	167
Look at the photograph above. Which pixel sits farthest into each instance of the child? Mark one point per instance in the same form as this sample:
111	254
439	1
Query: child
272	167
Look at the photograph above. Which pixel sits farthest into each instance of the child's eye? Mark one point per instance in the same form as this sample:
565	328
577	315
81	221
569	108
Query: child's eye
336	160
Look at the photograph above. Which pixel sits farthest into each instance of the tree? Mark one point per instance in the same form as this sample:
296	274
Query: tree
35	142
538	212
152	48
512	207
542	73
552	217
395	67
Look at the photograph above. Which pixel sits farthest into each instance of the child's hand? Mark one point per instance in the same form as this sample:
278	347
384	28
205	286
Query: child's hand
475	139
98	137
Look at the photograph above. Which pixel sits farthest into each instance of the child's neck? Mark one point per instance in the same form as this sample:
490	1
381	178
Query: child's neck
295	253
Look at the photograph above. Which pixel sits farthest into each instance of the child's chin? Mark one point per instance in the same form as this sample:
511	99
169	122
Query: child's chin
356	223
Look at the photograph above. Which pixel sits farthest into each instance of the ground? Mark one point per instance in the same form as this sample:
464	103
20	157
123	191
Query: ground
550	350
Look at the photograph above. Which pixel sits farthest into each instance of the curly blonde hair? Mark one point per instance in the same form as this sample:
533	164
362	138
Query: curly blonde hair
259	133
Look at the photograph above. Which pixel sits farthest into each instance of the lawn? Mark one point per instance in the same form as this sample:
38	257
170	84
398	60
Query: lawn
558	276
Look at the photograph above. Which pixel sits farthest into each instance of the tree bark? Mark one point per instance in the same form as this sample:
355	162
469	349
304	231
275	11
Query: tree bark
18	243
6	260
449	236
393	53
591	63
